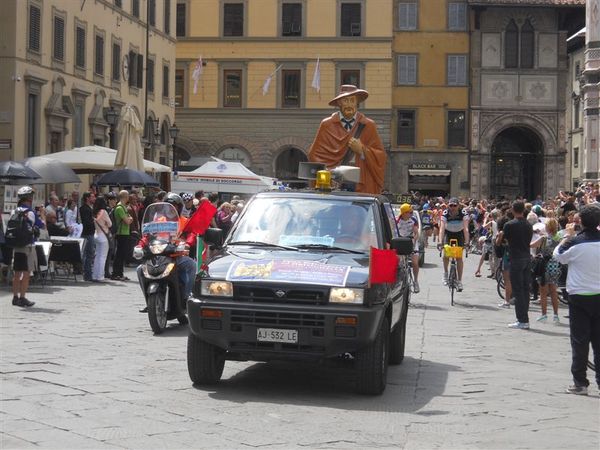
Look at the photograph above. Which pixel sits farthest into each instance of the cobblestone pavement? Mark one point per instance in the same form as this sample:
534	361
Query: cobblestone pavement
82	370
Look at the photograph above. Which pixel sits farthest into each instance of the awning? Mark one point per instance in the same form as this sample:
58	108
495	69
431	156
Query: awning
430	172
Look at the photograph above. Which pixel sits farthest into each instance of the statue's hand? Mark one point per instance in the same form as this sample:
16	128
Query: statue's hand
356	146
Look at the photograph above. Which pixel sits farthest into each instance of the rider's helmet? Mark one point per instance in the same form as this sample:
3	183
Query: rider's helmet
175	200
25	192
186	197
426	207
404	208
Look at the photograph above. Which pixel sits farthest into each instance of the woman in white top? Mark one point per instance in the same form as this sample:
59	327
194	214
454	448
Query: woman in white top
74	228
102	223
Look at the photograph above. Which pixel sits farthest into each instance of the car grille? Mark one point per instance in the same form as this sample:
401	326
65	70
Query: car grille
277	319
253	293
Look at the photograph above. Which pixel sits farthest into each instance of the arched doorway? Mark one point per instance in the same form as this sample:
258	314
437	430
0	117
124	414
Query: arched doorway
516	164
286	167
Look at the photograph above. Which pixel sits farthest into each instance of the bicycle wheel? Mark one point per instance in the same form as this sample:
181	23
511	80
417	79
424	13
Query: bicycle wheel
500	283
452	283
563	297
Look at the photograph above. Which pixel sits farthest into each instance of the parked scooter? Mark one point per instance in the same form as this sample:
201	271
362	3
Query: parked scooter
158	274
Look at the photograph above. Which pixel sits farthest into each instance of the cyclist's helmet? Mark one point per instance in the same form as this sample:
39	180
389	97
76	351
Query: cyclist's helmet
186	197
25	191
175	200
426	207
405	207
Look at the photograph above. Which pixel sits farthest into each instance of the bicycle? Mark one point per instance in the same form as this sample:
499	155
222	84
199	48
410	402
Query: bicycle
454	252
407	267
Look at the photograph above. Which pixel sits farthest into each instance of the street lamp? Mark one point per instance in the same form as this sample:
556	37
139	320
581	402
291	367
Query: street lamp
112	117
173	132
153	132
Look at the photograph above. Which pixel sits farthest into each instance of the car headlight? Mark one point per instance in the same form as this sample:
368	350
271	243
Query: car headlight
346	295
216	288
157	248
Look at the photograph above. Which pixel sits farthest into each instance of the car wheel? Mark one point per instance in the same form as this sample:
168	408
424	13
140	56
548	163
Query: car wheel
157	316
205	361
372	363
398	340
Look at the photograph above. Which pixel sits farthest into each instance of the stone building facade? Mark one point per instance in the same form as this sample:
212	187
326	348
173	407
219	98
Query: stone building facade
518	80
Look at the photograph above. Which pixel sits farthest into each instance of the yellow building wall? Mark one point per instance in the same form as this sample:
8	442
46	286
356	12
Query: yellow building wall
321	18
262	18
203	18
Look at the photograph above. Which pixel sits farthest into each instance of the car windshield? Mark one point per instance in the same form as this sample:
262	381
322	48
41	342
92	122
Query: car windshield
308	222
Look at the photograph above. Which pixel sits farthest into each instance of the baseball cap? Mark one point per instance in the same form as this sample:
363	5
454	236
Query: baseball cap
405	207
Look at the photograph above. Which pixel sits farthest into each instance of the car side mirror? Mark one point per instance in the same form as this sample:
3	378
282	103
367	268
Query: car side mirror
214	236
403	246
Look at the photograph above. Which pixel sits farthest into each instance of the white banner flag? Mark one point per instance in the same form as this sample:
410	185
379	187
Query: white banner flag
197	74
267	83
316	81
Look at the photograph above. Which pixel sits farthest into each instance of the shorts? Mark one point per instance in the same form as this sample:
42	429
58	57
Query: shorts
460	237
25	259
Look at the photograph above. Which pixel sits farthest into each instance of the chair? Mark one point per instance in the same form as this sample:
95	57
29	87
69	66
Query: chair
65	254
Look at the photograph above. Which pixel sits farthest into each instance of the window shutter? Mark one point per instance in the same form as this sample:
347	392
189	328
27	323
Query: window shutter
140	71
132	68
116	65
452	70
412	69
34	28
150	76
167	16
99	69
152	12
80	47
135	8
403	16
166	81
59	38
180	26
412	16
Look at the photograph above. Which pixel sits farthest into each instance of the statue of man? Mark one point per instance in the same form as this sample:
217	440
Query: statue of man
348	137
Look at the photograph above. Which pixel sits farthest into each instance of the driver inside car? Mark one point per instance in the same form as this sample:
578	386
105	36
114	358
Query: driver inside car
186	266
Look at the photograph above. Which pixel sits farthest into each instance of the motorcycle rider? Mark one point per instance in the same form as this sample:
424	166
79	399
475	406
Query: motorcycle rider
186	266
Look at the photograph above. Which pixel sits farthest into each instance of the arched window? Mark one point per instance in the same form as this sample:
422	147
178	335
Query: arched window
527	42
511	45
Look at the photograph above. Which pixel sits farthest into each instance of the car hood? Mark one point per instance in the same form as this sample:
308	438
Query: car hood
355	266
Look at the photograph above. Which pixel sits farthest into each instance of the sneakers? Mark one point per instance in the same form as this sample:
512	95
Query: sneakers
15	301
22	302
519	325
535	302
577	390
459	286
512	301
445	280
144	310
555	319
543	318
416	289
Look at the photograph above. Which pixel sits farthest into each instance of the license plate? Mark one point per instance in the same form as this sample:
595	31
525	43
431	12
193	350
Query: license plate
277	335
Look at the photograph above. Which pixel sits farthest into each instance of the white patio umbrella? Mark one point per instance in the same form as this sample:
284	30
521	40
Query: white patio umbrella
130	153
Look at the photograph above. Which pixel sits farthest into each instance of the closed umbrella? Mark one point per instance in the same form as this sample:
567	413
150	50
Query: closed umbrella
126	177
52	171
12	172
130	153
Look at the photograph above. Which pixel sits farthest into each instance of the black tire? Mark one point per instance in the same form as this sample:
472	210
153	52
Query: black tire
452	277
398	340
205	361
372	363
183	320
591	366
157	316
422	259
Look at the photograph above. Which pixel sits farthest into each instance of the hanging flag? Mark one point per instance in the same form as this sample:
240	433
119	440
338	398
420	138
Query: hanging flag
267	83
200	220
383	266
197	74
316	81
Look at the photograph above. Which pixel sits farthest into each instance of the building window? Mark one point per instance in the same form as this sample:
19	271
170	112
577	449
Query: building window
511	45
576	108
527	42
78	124
58	41
457	70
456	128
232	92
457	16
99	61
407	16
116	62
291	19
80	47
350	77
151	12
406	128
136	69
575	156
165	89
119	3
34	28
135	8
290	97
351	19
180	22
150	75
179	87
167	16
233	19
407	69
32	124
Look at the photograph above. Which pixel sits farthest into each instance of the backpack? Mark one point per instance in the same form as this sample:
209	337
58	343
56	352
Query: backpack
113	220
19	230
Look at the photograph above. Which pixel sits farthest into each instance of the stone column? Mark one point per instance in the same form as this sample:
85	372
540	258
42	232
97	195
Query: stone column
591	93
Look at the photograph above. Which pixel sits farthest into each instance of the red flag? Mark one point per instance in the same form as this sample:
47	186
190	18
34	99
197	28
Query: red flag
383	266
200	220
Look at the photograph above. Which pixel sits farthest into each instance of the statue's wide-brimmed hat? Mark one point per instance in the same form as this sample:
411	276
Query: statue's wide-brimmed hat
346	90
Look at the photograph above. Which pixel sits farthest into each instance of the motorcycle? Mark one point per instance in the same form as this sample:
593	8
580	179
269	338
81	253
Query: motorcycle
157	273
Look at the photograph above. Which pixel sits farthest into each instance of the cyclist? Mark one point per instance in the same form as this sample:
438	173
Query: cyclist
409	227
454	224
426	222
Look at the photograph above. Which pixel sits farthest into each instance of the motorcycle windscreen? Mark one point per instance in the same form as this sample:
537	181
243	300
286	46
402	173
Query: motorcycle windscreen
160	220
